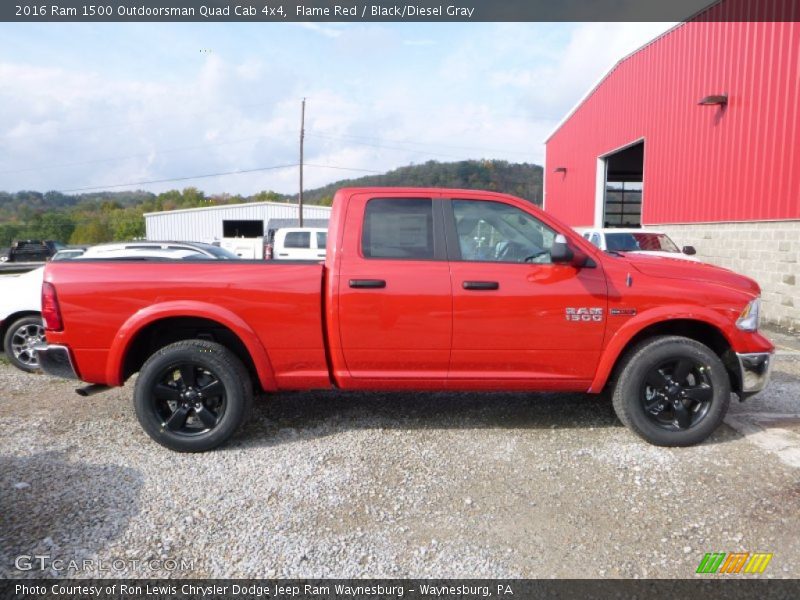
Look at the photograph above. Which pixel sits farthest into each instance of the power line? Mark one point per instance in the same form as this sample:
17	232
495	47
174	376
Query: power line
343	137
207	175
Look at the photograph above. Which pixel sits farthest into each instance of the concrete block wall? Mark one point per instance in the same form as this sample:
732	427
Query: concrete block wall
769	252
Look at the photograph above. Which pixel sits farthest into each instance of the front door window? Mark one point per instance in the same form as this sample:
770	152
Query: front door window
497	232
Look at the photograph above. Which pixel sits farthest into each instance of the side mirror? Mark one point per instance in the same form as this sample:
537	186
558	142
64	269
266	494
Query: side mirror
561	252
689	250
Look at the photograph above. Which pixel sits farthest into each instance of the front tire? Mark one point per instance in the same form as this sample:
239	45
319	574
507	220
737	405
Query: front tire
21	337
192	396
672	391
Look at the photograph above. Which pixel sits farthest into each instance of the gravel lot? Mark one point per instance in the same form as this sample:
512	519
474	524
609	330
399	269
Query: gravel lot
397	485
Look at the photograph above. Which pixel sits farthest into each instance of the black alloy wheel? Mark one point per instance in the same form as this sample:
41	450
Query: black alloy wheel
677	394
189	398
192	396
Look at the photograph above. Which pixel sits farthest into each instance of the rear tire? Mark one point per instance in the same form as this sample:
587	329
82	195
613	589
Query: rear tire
19	340
192	396
672	391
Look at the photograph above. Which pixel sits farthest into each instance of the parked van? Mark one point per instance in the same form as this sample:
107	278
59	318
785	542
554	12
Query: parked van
300	243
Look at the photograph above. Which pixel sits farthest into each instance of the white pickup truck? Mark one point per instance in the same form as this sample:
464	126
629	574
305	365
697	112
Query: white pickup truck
648	241
300	243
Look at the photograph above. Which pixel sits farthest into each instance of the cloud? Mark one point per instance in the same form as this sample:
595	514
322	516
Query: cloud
328	31
219	117
378	98
593	49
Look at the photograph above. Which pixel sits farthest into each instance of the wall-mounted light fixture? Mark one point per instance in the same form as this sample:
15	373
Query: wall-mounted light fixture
718	100
560	170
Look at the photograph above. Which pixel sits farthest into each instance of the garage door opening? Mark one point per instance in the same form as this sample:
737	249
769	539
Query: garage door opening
622	197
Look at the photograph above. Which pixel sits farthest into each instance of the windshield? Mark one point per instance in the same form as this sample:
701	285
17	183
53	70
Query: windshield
640	242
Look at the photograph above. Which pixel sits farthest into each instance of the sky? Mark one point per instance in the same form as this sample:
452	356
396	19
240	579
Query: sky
85	107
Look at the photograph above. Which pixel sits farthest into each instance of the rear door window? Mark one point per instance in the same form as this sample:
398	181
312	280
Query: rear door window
322	239
398	228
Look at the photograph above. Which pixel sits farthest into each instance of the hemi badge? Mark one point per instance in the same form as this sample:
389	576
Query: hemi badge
623	312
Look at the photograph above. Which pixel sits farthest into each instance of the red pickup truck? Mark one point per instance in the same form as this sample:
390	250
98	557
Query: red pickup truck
421	289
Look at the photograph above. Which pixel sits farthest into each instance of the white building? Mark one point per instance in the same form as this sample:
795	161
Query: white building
210	223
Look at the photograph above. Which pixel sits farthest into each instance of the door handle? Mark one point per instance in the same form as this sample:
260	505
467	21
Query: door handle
367	283
480	285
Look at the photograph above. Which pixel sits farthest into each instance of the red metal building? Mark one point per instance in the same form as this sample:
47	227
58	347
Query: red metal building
697	133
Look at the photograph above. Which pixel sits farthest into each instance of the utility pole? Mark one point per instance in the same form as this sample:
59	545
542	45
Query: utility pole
302	136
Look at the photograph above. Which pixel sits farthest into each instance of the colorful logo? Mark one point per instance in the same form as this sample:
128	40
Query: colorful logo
735	562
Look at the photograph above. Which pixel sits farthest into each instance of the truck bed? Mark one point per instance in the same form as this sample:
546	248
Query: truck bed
276	305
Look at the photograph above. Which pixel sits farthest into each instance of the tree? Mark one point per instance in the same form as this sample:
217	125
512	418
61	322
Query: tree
169	200
54	226
127	224
108	206
94	231
267	196
8	233
192	197
103	216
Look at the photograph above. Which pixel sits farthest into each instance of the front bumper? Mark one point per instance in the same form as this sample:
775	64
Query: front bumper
56	360
754	371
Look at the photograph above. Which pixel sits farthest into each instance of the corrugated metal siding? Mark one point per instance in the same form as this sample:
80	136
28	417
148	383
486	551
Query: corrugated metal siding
205	224
701	164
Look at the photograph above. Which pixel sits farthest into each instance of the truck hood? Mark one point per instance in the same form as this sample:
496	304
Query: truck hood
677	268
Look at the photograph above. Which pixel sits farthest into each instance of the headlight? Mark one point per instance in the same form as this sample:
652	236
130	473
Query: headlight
751	315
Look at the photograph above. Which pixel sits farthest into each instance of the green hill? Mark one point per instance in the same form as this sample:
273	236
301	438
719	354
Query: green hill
520	179
106	216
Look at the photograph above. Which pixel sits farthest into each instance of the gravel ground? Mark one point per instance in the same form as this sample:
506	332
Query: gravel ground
394	485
